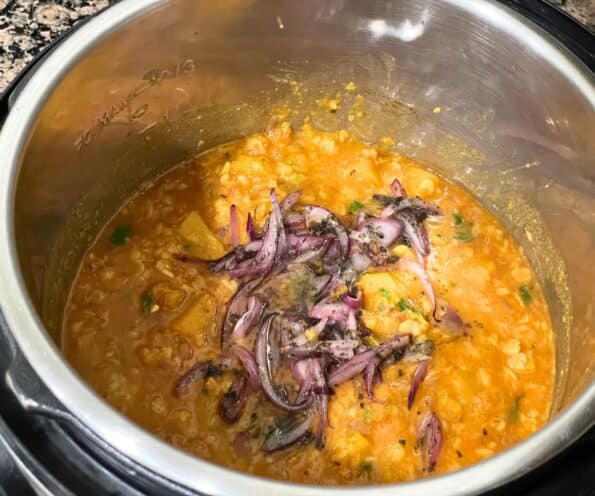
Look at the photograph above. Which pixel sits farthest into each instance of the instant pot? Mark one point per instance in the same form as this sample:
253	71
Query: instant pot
150	83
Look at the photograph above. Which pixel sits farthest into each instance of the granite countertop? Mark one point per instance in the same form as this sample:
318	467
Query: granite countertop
26	26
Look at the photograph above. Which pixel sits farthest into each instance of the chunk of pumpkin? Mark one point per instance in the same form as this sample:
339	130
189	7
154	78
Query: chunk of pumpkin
198	320
205	244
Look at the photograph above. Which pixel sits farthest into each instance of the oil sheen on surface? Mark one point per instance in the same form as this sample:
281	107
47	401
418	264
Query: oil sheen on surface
137	319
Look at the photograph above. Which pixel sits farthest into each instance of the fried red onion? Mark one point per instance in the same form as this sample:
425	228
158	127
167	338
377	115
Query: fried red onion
331	311
414	267
377	230
371	376
419	374
248	363
264	372
430	438
397	189
448	318
290	201
353	301
417	236
326	221
237	307
351	368
282	244
290	432
232	403
248	319
200	370
342	349
315	239
250	229
418	352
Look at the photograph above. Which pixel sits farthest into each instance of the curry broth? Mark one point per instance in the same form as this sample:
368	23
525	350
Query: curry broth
137	319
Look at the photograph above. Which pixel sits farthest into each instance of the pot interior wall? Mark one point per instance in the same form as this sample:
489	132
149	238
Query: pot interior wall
192	74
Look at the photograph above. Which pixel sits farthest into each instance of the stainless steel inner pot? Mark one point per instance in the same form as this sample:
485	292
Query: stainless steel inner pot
468	86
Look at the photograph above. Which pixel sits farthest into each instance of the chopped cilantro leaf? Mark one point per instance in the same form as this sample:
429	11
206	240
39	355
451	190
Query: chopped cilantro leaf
366	466
147	302
463	228
525	295
513	413
403	305
464	236
355	206
120	234
385	293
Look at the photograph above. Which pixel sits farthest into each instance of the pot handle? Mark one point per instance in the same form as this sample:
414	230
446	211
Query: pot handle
32	395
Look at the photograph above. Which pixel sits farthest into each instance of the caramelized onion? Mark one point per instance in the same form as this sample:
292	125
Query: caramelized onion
248	319
250	230
419	375
231	405
200	370
248	363
262	360
414	267
288	433
430	438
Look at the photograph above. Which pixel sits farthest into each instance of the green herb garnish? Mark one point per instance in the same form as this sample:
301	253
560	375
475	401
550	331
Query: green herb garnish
147	302
463	228
513	413
464	236
525	295
120	235
385	293
354	206
366	467
403	305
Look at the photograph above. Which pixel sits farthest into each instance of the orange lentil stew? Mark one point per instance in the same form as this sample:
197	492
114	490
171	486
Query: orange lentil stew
305	307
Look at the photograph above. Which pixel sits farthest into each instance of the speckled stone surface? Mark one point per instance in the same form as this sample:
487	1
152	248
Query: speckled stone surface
26	26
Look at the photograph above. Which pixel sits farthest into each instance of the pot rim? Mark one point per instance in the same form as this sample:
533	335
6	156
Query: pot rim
153	453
